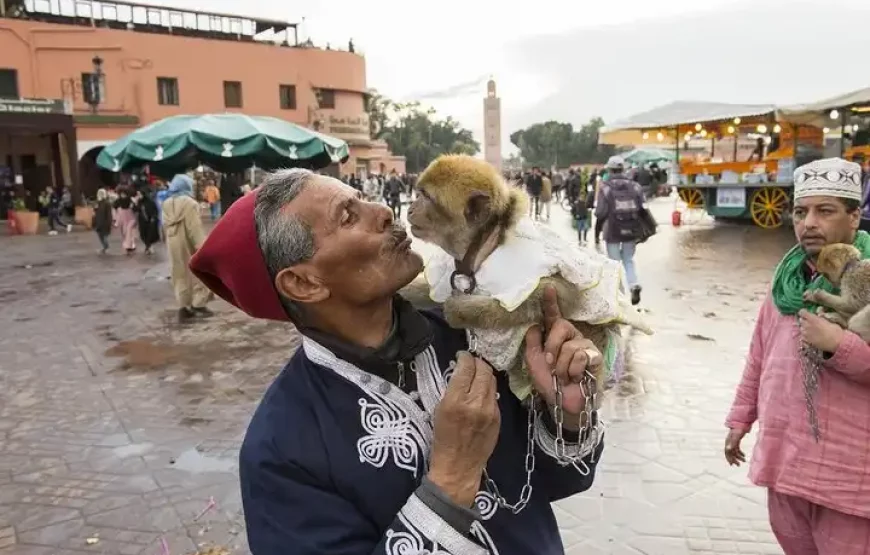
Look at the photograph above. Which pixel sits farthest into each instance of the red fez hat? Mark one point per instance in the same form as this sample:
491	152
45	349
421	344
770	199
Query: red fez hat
231	264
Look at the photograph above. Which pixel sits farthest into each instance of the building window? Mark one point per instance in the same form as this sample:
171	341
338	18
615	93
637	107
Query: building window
233	94
167	91
93	88
287	94
326	99
8	83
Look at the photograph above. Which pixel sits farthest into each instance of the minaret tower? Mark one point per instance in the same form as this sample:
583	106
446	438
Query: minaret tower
492	126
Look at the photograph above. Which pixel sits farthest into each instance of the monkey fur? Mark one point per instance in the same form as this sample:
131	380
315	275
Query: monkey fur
842	265
458	197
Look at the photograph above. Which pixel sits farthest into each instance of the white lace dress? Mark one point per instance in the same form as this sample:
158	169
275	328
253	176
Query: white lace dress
512	272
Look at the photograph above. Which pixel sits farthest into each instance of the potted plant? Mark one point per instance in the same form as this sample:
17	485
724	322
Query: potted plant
85	215
26	220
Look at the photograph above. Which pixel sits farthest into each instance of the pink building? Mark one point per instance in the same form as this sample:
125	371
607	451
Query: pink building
148	62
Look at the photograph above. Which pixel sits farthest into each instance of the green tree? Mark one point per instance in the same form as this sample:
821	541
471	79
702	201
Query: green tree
555	143
413	131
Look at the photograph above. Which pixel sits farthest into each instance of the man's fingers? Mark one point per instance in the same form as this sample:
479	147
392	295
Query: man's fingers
463	375
556	337
550	306
483	385
534	341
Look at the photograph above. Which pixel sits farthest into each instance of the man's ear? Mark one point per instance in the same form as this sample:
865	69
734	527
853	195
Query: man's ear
300	286
478	207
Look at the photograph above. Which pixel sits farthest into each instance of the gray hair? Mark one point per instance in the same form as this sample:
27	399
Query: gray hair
284	240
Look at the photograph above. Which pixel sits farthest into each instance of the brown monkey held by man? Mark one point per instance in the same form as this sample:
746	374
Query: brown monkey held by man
842	265
495	264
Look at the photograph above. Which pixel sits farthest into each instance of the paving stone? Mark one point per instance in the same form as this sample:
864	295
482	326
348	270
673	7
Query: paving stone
101	394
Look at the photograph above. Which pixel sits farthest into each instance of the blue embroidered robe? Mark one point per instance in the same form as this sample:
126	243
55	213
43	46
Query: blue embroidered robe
334	454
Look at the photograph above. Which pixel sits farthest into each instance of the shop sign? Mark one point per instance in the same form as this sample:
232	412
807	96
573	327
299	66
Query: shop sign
731	197
31	106
348	126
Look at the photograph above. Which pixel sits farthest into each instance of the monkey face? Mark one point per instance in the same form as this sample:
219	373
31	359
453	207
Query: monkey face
832	261
456	194
434	223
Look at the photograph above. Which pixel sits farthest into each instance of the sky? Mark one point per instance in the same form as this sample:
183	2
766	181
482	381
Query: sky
574	60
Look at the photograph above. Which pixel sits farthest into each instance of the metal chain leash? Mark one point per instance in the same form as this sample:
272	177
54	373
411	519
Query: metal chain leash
590	393
526	492
811	368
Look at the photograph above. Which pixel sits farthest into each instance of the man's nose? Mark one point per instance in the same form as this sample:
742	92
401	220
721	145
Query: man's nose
382	216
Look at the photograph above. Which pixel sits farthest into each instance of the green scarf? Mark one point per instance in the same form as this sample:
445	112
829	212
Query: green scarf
790	282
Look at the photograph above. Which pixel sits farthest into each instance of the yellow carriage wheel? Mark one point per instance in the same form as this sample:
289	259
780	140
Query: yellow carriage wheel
768	206
693	198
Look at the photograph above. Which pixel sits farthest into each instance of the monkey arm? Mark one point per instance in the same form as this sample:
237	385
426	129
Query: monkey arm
744	409
852	358
843	305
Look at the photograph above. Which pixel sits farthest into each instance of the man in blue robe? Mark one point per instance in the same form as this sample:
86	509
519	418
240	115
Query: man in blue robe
382	434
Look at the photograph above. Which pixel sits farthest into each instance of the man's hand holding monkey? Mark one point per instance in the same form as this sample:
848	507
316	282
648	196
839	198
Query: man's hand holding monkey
560	350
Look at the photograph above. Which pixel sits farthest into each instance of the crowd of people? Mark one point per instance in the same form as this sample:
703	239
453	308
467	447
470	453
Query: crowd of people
613	194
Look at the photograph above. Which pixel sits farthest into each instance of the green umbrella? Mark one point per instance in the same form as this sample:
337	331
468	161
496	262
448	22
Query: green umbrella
648	156
225	143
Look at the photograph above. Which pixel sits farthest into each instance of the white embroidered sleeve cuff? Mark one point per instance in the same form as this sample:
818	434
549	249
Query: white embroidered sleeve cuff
426	531
575	452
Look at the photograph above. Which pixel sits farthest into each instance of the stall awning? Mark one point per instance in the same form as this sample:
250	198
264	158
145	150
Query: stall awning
630	131
817	114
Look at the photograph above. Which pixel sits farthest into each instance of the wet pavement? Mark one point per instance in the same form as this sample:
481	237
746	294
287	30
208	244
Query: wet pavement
119	430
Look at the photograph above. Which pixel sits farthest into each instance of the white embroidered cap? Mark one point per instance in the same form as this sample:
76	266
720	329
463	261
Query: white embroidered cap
831	177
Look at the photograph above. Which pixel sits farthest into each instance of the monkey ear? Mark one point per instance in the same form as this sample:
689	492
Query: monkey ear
478	207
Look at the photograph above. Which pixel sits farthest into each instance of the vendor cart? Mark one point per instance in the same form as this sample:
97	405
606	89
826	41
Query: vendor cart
717	175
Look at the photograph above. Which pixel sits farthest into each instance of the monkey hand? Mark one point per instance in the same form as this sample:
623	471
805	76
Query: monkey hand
560	350
819	332
810	295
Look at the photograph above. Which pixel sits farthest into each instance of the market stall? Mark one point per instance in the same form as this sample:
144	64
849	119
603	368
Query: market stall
734	160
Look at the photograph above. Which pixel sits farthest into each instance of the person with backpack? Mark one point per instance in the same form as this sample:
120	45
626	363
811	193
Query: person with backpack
582	214
621	206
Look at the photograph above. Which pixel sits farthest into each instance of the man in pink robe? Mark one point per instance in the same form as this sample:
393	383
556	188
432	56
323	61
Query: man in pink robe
818	490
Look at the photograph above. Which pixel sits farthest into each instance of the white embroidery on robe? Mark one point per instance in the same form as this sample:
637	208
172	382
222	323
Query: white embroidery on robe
479	533
395	426
390	435
426	533
486	504
410	542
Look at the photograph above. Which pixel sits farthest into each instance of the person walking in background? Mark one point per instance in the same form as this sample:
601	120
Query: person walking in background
546	194
103	219
372	189
184	235
619	206
148	219
865	200
393	193
815	470
159	197
125	219
582	215
55	209
213	197
534	186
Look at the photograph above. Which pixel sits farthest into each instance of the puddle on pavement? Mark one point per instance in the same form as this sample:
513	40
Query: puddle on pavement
194	461
143	355
132	450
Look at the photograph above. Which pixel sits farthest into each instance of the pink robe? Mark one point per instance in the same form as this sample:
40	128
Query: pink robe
126	220
835	472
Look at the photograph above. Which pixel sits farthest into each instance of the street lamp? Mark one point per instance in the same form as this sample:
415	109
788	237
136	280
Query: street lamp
94	97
